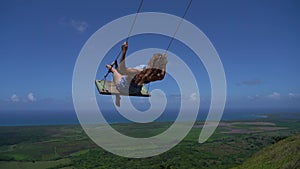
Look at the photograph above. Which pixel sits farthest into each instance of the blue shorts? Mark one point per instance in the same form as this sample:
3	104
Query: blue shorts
126	87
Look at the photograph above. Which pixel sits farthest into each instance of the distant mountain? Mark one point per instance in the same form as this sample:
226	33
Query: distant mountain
284	154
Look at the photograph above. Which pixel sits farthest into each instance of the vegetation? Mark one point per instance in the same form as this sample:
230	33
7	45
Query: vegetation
232	145
285	155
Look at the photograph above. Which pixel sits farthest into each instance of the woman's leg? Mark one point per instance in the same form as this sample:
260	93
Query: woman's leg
126	71
132	71
122	63
116	78
116	75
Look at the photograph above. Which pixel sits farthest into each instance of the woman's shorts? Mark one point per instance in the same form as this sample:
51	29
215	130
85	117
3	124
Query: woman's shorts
126	87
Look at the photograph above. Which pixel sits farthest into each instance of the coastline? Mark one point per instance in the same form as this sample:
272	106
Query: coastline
70	118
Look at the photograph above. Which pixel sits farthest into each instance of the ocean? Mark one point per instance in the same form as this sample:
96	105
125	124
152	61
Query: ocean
34	118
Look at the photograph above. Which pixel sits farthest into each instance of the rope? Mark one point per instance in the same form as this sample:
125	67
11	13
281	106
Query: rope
172	39
131	29
129	33
132	26
133	23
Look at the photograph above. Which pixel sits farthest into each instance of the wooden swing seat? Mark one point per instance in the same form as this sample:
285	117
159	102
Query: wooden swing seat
109	88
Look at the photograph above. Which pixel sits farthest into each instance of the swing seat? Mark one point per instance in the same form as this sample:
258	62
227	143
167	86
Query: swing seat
109	88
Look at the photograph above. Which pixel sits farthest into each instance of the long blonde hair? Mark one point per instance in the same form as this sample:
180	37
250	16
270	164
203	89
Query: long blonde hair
156	65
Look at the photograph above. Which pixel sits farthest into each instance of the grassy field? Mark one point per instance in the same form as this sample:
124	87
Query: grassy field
67	146
285	155
61	163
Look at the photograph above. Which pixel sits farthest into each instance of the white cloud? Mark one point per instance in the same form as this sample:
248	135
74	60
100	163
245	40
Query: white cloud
274	95
80	26
14	98
257	96
31	97
193	97
293	95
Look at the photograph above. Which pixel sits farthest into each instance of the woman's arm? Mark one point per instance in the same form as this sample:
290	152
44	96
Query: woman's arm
122	63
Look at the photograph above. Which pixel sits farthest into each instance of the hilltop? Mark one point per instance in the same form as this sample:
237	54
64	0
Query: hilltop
284	154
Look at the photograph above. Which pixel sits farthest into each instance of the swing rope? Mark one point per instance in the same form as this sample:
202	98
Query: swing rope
131	29
132	26
133	23
129	33
179	24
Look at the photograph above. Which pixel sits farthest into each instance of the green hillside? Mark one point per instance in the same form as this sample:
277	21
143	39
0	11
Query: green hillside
284	155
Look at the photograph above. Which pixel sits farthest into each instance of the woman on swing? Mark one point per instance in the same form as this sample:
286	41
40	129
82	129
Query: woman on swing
131	80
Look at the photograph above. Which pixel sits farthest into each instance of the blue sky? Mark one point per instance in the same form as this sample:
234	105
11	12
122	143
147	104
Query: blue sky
257	41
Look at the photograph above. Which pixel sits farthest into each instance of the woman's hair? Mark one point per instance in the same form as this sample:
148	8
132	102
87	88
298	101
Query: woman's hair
153	72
